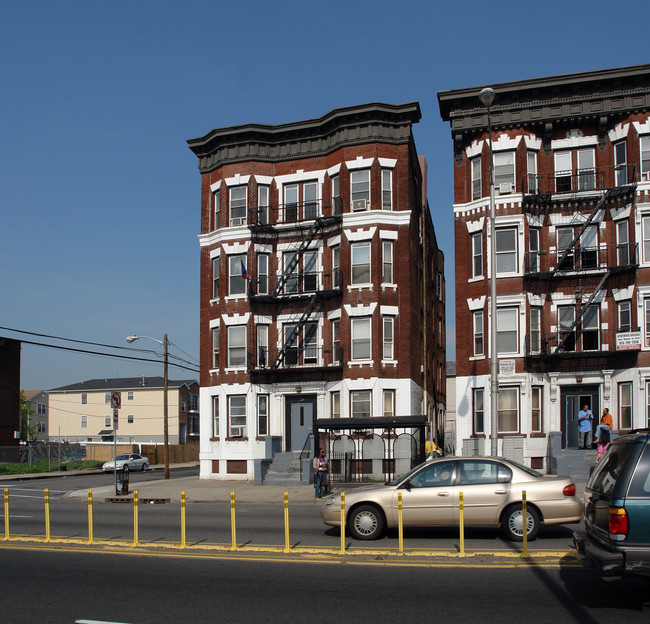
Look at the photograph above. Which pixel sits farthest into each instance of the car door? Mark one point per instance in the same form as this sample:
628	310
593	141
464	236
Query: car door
427	496
485	485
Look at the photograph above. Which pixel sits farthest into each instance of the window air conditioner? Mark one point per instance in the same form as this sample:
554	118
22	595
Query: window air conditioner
506	187
237	221
236	432
359	204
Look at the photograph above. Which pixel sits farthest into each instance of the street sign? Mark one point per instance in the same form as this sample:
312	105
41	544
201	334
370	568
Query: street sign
116	400
115	419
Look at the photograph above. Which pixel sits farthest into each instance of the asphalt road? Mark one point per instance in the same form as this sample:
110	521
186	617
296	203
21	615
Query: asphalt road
66	587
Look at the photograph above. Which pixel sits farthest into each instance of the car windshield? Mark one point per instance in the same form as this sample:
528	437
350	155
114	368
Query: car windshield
122	457
607	470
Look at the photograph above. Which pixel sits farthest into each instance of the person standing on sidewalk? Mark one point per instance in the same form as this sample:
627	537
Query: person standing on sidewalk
320	474
585	426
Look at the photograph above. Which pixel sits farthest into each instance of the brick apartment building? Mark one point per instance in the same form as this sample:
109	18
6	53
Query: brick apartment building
572	194
322	294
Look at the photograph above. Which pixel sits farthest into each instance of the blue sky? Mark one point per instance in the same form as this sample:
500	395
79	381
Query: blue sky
100	194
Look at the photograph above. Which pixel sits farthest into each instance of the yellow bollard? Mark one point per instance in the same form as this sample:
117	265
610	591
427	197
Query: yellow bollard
461	522
90	516
342	551
135	518
7	514
182	519
524	523
287	548
48	535
233	528
400	523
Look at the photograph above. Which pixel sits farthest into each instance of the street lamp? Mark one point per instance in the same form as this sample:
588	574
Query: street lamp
486	96
164	343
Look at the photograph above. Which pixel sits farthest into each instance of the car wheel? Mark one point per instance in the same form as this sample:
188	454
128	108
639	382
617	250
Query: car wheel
144	466
513	523
125	467
366	522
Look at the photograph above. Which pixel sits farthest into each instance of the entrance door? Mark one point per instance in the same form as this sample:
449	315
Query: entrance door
573	400
300	413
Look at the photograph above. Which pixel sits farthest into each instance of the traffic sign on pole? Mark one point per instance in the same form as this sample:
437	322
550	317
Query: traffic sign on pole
116	400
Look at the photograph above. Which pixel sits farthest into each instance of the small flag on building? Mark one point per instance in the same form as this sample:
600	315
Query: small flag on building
244	274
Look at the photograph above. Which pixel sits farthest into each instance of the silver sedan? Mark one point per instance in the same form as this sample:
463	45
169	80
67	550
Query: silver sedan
127	461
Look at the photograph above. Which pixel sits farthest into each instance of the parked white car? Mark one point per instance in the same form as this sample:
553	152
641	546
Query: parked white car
127	461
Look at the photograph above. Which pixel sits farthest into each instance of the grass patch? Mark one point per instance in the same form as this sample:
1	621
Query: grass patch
42	465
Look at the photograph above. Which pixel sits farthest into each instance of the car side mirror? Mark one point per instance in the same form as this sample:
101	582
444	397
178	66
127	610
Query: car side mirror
407	486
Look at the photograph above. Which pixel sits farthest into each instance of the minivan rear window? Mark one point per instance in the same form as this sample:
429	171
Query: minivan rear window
607	470
640	484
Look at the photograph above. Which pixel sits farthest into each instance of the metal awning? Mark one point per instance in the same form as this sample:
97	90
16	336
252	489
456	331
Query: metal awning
418	420
105	432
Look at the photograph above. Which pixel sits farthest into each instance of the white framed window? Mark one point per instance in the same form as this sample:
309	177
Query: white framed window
215	277
537	404
360	263
625	405
476	178
645	157
262	414
129	395
336	404
624	316
361	345
361	403
336	341
645	233
504	172
590	329
535	336
215	416
262	205
388	346
291	202
310	200
108	422
129	419
508	410
216	209
531	170
647	405
478	410
238	196
310	271
586	169
622	243
84	398
589	248
262	345
237	346
84	421
565	318
478	332
506	250
237	274
646	315
262	274
360	189
620	163
215	347
564	237
386	189
387	262
477	254
507	330
310	343
107	398
563	171
237	416
336	267
389	403
533	250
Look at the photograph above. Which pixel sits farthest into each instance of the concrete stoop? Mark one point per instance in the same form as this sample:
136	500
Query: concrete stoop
576	463
284	469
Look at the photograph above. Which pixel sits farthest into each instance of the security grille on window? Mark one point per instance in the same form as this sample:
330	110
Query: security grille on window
361	403
238	196
237	416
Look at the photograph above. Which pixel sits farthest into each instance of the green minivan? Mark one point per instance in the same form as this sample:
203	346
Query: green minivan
616	539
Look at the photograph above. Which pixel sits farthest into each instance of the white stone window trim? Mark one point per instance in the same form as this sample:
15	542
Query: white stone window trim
360	309
475	226
215	186
505	144
618	132
235	319
532	142
387	163
360	163
360	234
334	171
263	180
573	142
237	180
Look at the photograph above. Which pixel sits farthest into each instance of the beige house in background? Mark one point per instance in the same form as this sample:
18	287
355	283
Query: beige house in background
82	412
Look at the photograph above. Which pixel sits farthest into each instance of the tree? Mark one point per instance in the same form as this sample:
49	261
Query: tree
27	431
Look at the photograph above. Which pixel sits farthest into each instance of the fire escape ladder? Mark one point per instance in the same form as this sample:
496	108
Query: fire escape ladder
296	330
585	225
583	310
316	225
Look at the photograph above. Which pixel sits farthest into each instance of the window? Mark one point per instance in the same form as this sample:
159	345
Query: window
562	172
215	416
291	334
589	248
361	263
361	338
567	335
336	405
262	414
534	251
291	202
238	205
216	207
531	170
108	422
388	338
309	271
508	410
478	410
129	395
507	330
84	421
237	274
237	416
476	178
360	189
474	472
215	347
194	402
645	157
237	346
263	205
387	262
586	171
129	419
624	316
310	343
622	244
590	326
389	403
263	345
262	274
620	163
84	398
336	192
645	226
41	427
336	341
386	189
107	398
477	254
504	172
215	277
506	250
41	408
477	328
536	409
310	200
535	336
360	401
625	405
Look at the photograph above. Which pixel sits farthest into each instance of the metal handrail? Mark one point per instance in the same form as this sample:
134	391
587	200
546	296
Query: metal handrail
581	259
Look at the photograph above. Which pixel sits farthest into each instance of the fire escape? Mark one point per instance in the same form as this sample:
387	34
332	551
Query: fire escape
578	260
296	289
